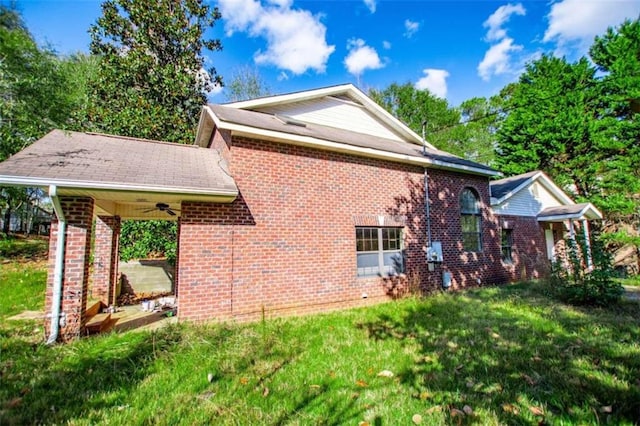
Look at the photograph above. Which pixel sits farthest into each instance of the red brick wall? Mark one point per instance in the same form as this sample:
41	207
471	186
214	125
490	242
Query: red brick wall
529	251
105	258
78	212
287	245
466	268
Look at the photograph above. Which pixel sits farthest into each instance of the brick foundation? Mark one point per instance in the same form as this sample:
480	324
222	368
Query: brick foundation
78	212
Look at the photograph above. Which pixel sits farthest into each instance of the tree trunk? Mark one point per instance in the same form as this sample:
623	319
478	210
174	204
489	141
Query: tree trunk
7	221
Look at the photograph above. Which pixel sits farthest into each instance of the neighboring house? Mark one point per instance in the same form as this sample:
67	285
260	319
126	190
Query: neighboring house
535	216
287	204
29	218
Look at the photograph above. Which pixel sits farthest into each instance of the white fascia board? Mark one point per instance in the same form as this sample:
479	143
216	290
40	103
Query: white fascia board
252	132
71	184
290	97
514	191
348	89
582	214
200	129
555	190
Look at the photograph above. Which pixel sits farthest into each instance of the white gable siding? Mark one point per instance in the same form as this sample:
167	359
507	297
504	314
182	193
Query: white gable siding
333	112
528	201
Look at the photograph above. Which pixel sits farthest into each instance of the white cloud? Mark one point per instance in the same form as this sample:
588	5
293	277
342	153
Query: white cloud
386	45
500	17
410	28
497	59
361	57
435	81
371	5
296	39
579	21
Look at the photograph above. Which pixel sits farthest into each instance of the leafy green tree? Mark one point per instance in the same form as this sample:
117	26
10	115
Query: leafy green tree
38	92
550	124
444	127
152	82
617	56
246	83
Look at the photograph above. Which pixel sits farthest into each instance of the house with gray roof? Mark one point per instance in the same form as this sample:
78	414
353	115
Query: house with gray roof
288	204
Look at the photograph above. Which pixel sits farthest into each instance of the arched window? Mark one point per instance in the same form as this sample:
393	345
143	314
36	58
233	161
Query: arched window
470	220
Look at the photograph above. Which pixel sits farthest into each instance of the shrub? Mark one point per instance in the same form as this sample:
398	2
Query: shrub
572	282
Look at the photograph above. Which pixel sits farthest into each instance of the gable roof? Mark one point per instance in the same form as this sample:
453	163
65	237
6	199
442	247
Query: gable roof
574	211
272	127
503	189
344	91
78	163
252	119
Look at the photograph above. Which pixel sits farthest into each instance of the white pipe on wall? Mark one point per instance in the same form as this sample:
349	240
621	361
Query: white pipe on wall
58	267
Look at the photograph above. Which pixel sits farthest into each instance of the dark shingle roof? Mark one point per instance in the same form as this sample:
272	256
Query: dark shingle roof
272	122
502	187
568	210
113	160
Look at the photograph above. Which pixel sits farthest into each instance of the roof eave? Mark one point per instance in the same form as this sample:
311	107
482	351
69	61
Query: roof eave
229	195
348	89
275	136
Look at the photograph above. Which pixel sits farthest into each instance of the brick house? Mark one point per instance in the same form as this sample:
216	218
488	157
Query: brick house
289	204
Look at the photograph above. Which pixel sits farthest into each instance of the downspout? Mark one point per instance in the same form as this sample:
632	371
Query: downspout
56	297
426	186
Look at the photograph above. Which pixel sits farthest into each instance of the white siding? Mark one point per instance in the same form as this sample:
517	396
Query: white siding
528	201
333	112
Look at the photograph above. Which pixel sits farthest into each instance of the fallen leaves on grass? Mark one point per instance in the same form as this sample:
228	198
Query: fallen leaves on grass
536	411
361	383
417	419
511	409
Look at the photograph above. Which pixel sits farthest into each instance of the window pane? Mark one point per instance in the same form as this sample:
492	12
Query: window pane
368	264
469	202
393	263
366	239
470	223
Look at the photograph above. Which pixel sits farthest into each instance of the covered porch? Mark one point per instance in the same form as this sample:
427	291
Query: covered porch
568	221
94	182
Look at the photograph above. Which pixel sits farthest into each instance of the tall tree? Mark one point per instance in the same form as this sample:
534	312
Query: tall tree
246	83
549	124
152	81
444	127
617	56
37	94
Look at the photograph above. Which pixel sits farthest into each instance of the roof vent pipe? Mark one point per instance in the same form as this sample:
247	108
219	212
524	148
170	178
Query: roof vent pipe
57	271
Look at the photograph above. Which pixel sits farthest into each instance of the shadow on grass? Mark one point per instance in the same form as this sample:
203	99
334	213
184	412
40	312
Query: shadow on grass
521	359
50	385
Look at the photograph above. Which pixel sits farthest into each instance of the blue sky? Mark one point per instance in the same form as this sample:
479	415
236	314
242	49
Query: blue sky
458	49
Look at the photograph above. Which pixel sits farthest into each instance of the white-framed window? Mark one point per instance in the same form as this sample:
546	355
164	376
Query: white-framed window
470	220
379	251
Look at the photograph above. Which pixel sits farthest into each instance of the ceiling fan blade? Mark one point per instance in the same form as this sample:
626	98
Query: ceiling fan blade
171	212
149	210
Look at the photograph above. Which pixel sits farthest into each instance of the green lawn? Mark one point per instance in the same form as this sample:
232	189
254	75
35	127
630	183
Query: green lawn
503	355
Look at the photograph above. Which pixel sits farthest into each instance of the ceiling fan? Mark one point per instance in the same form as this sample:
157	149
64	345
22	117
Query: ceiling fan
163	207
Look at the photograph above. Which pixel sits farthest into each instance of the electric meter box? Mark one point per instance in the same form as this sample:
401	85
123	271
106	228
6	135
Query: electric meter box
434	253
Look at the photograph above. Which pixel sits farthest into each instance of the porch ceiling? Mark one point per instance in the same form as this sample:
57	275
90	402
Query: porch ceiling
126	177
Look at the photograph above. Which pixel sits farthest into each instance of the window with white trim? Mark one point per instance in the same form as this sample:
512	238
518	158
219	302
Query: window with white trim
470	220
379	251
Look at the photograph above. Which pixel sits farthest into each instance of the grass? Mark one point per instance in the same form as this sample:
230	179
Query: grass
506	355
22	248
630	281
